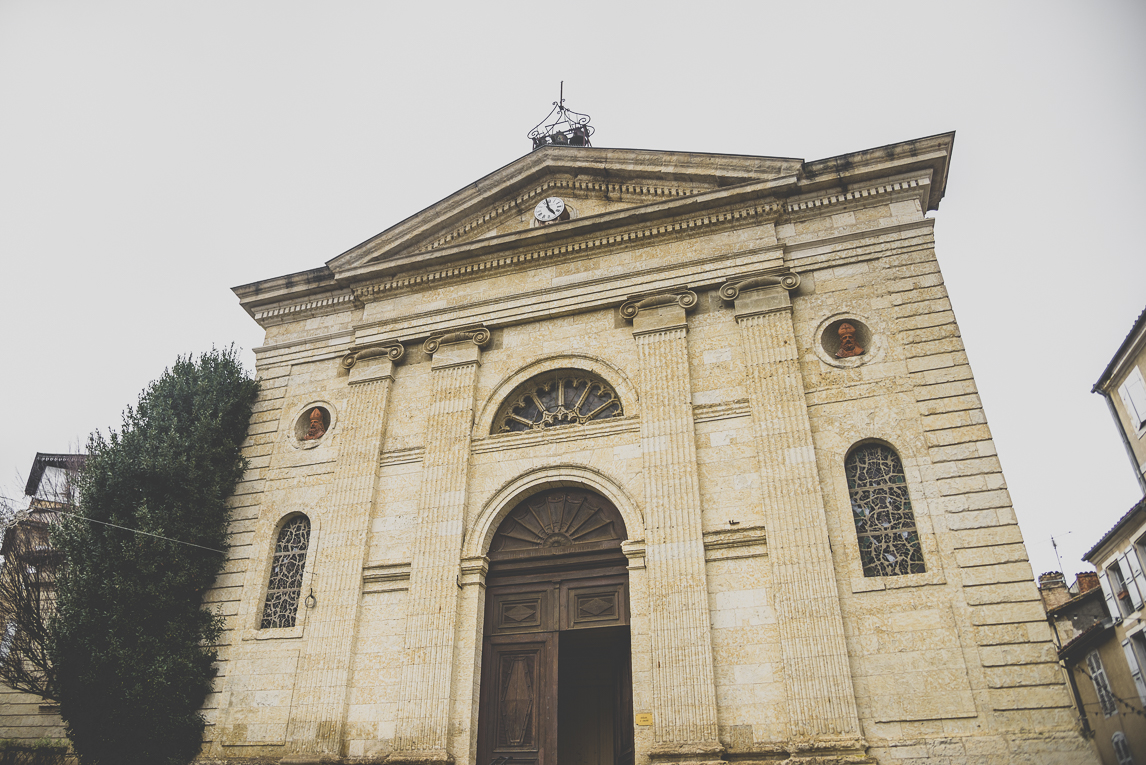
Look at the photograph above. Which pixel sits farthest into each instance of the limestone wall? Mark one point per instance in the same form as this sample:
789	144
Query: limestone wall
755	633
25	717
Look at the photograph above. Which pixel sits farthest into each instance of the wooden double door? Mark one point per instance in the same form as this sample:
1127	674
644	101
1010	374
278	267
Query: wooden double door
556	673
556	680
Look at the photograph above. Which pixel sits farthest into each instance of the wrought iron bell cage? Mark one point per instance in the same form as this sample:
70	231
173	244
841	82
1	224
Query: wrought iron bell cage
562	127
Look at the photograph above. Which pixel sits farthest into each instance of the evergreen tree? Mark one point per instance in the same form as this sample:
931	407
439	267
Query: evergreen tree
131	644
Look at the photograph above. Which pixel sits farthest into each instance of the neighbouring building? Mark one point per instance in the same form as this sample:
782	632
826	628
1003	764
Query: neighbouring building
1124	389
50	488
1072	610
1099	625
619	456
1106	656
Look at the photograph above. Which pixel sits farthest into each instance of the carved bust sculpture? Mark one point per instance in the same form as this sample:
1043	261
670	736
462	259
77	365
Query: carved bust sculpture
317	429
848	347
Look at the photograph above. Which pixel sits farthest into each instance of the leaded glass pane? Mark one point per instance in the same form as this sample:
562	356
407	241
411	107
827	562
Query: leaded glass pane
562	397
885	524
286	574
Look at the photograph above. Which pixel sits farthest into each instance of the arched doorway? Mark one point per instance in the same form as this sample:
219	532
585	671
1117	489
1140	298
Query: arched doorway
556	684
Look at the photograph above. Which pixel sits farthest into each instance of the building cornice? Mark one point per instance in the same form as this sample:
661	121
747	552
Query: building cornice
643	236
570	185
394	260
634	166
591	293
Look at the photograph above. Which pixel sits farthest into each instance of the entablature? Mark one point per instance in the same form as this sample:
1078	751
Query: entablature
702	195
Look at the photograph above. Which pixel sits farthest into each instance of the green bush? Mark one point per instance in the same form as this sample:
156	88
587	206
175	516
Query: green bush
130	643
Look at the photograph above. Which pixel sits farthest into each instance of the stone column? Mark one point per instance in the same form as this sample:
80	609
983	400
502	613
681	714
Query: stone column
821	701
422	734
319	704
684	692
467	661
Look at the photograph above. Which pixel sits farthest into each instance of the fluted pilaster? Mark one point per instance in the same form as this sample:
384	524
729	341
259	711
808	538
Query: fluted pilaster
684	695
821	701
424	700
319	701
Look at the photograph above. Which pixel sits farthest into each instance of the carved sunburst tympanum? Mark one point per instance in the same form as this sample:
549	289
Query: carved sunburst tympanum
559	519
563	397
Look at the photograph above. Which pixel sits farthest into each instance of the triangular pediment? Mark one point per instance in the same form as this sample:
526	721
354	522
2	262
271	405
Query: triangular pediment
592	182
617	194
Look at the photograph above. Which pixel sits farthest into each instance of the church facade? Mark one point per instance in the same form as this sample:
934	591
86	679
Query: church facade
626	457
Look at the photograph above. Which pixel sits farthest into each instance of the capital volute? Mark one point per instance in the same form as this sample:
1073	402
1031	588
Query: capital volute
373	361
685	299
390	349
476	334
732	289
760	293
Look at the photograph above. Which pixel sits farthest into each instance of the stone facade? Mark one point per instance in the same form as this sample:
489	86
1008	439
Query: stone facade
708	292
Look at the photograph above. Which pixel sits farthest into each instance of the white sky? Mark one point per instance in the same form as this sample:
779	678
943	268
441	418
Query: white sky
154	155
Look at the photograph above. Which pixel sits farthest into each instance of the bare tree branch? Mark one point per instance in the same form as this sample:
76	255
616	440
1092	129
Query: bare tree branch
28	575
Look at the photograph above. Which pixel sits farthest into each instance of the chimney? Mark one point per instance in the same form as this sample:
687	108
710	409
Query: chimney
1086	581
1052	586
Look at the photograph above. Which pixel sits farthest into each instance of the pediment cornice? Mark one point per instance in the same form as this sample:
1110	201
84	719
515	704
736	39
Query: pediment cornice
625	228
642	176
672	194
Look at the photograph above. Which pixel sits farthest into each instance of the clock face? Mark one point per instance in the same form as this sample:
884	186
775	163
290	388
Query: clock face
549	209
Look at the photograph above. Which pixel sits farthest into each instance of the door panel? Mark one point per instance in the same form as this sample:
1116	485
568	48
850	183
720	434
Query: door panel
519	694
602	602
511	610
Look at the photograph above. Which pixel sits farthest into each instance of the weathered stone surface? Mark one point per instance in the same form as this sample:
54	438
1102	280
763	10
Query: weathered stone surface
754	633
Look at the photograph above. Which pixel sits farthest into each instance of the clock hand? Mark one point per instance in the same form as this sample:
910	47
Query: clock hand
547	207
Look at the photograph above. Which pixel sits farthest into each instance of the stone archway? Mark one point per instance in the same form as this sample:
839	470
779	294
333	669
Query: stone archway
556	682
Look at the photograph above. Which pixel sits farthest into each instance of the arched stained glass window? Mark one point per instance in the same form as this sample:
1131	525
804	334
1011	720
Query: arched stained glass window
285	584
881	509
553	399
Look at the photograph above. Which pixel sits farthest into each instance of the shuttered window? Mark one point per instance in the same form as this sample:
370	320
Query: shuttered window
1137	574
1128	579
1134	648
1101	685
1108	594
1122	596
1133	395
1122	749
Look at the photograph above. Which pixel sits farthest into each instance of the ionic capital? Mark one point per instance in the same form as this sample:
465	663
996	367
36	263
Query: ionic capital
685	299
374	361
391	349
760	294
477	334
732	289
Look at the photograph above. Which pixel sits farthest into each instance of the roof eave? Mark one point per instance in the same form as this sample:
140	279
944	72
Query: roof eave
1121	523
1075	601
1136	338
1085	638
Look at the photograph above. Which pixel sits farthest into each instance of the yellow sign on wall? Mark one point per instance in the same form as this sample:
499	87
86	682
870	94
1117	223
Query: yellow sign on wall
643	718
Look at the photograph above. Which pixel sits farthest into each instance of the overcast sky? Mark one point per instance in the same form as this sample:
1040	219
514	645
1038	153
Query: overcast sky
154	155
